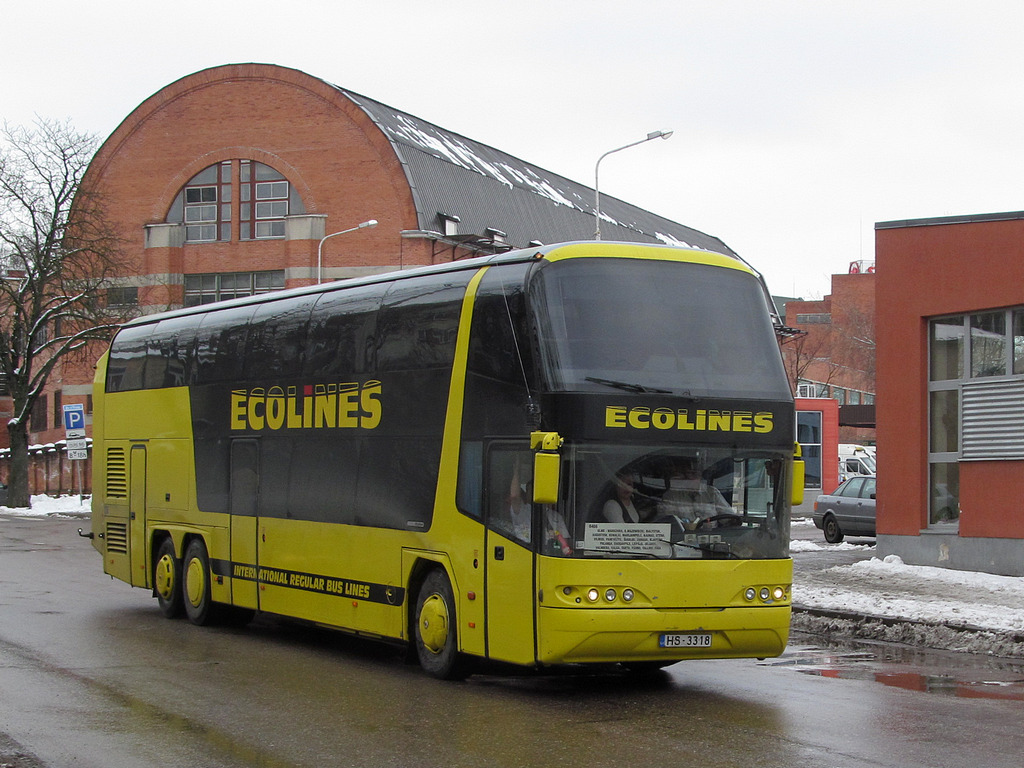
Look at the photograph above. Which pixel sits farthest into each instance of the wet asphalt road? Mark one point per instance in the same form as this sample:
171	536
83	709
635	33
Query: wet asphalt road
92	675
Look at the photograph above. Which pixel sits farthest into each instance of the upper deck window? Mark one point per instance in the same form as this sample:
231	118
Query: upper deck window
645	325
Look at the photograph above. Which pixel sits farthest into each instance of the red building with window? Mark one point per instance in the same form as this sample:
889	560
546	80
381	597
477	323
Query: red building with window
950	372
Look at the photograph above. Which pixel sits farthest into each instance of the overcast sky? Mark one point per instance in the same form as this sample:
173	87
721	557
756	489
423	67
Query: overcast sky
798	123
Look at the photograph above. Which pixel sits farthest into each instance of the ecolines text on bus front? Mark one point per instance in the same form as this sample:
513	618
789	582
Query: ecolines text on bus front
699	420
348	405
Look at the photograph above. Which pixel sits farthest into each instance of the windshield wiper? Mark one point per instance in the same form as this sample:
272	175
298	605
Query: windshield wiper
630	552
713	548
629	387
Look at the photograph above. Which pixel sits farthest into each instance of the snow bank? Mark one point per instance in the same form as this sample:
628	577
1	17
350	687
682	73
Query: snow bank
935	607
47	506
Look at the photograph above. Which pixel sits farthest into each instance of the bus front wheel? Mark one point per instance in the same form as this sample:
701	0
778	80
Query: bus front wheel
167	579
195	583
436	636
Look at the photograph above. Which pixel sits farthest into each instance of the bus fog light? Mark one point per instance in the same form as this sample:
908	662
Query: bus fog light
627	595
592	595
778	593
750	594
765	594
609	595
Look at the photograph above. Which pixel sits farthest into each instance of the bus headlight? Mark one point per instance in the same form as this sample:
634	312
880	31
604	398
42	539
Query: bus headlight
628	595
593	594
750	594
778	593
765	594
609	595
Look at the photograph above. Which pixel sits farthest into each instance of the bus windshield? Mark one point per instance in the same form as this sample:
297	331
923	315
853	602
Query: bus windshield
629	501
673	327
646	501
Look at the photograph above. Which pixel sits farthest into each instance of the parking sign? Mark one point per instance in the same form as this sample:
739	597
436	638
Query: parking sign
74	420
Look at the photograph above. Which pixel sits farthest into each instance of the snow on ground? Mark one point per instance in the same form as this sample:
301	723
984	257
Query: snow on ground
803	545
46	506
889	588
880	599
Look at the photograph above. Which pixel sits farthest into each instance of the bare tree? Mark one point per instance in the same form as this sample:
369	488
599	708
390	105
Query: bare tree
57	254
857	348
809	355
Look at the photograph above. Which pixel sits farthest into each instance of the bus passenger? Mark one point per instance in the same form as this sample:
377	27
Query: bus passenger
519	521
620	508
689	497
556	532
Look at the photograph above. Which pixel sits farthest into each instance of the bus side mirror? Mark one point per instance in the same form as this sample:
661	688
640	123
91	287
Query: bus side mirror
797	491
547	466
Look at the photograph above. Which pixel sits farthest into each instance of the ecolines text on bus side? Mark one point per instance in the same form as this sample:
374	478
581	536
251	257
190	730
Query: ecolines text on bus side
348	405
699	420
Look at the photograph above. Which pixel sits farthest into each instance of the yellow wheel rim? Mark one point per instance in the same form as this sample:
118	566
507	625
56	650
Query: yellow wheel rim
434	623
164	577
195	582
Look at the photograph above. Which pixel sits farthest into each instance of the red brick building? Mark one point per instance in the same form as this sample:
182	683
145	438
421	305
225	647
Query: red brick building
227	182
834	357
950	299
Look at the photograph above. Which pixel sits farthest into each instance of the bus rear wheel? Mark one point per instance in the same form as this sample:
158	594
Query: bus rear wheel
435	634
167	579
195	583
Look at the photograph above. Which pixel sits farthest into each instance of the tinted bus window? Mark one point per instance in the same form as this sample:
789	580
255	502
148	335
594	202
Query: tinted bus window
126	367
499	367
220	344
276	343
169	352
420	323
342	329
715	339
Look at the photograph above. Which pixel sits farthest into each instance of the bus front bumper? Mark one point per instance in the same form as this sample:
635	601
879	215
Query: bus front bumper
602	635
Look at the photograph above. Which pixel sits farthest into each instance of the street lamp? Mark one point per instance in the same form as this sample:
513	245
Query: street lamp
597	193
320	246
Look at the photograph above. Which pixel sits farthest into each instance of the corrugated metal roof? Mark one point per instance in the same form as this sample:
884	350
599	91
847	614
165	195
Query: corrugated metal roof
451	175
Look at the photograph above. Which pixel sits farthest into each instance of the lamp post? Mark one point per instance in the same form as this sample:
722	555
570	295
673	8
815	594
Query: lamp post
597	193
320	246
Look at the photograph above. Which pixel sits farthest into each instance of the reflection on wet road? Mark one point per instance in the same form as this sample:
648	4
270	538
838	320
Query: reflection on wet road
912	670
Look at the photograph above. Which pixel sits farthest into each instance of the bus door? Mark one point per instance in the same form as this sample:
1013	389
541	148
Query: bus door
137	516
510	563
245	483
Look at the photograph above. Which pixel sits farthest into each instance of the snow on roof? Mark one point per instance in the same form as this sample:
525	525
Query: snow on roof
453	176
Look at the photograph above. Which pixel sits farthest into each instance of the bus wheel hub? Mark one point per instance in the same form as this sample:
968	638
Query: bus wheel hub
196	582
165	577
434	623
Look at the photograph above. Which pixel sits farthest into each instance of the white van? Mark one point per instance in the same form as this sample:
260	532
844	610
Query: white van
856	460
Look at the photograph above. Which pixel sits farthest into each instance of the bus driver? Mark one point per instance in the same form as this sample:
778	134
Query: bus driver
689	497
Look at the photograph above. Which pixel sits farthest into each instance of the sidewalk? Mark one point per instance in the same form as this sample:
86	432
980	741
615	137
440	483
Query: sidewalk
917	605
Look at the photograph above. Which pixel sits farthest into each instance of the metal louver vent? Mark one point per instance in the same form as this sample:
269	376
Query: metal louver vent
117	474
993	420
117	538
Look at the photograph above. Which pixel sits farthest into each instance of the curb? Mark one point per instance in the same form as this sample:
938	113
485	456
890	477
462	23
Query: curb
946	636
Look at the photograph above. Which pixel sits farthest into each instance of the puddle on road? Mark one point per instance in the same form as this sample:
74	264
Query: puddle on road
913	671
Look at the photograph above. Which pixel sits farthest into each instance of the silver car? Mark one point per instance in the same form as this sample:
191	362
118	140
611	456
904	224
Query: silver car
847	511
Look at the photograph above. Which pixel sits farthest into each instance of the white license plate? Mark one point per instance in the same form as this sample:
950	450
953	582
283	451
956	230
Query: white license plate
685	640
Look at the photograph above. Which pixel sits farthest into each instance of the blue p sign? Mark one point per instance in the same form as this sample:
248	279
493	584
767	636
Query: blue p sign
74	417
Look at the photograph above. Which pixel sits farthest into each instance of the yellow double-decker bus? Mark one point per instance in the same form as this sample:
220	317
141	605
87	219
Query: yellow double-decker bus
572	454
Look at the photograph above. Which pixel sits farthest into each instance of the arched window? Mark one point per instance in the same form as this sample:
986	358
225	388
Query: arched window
205	204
